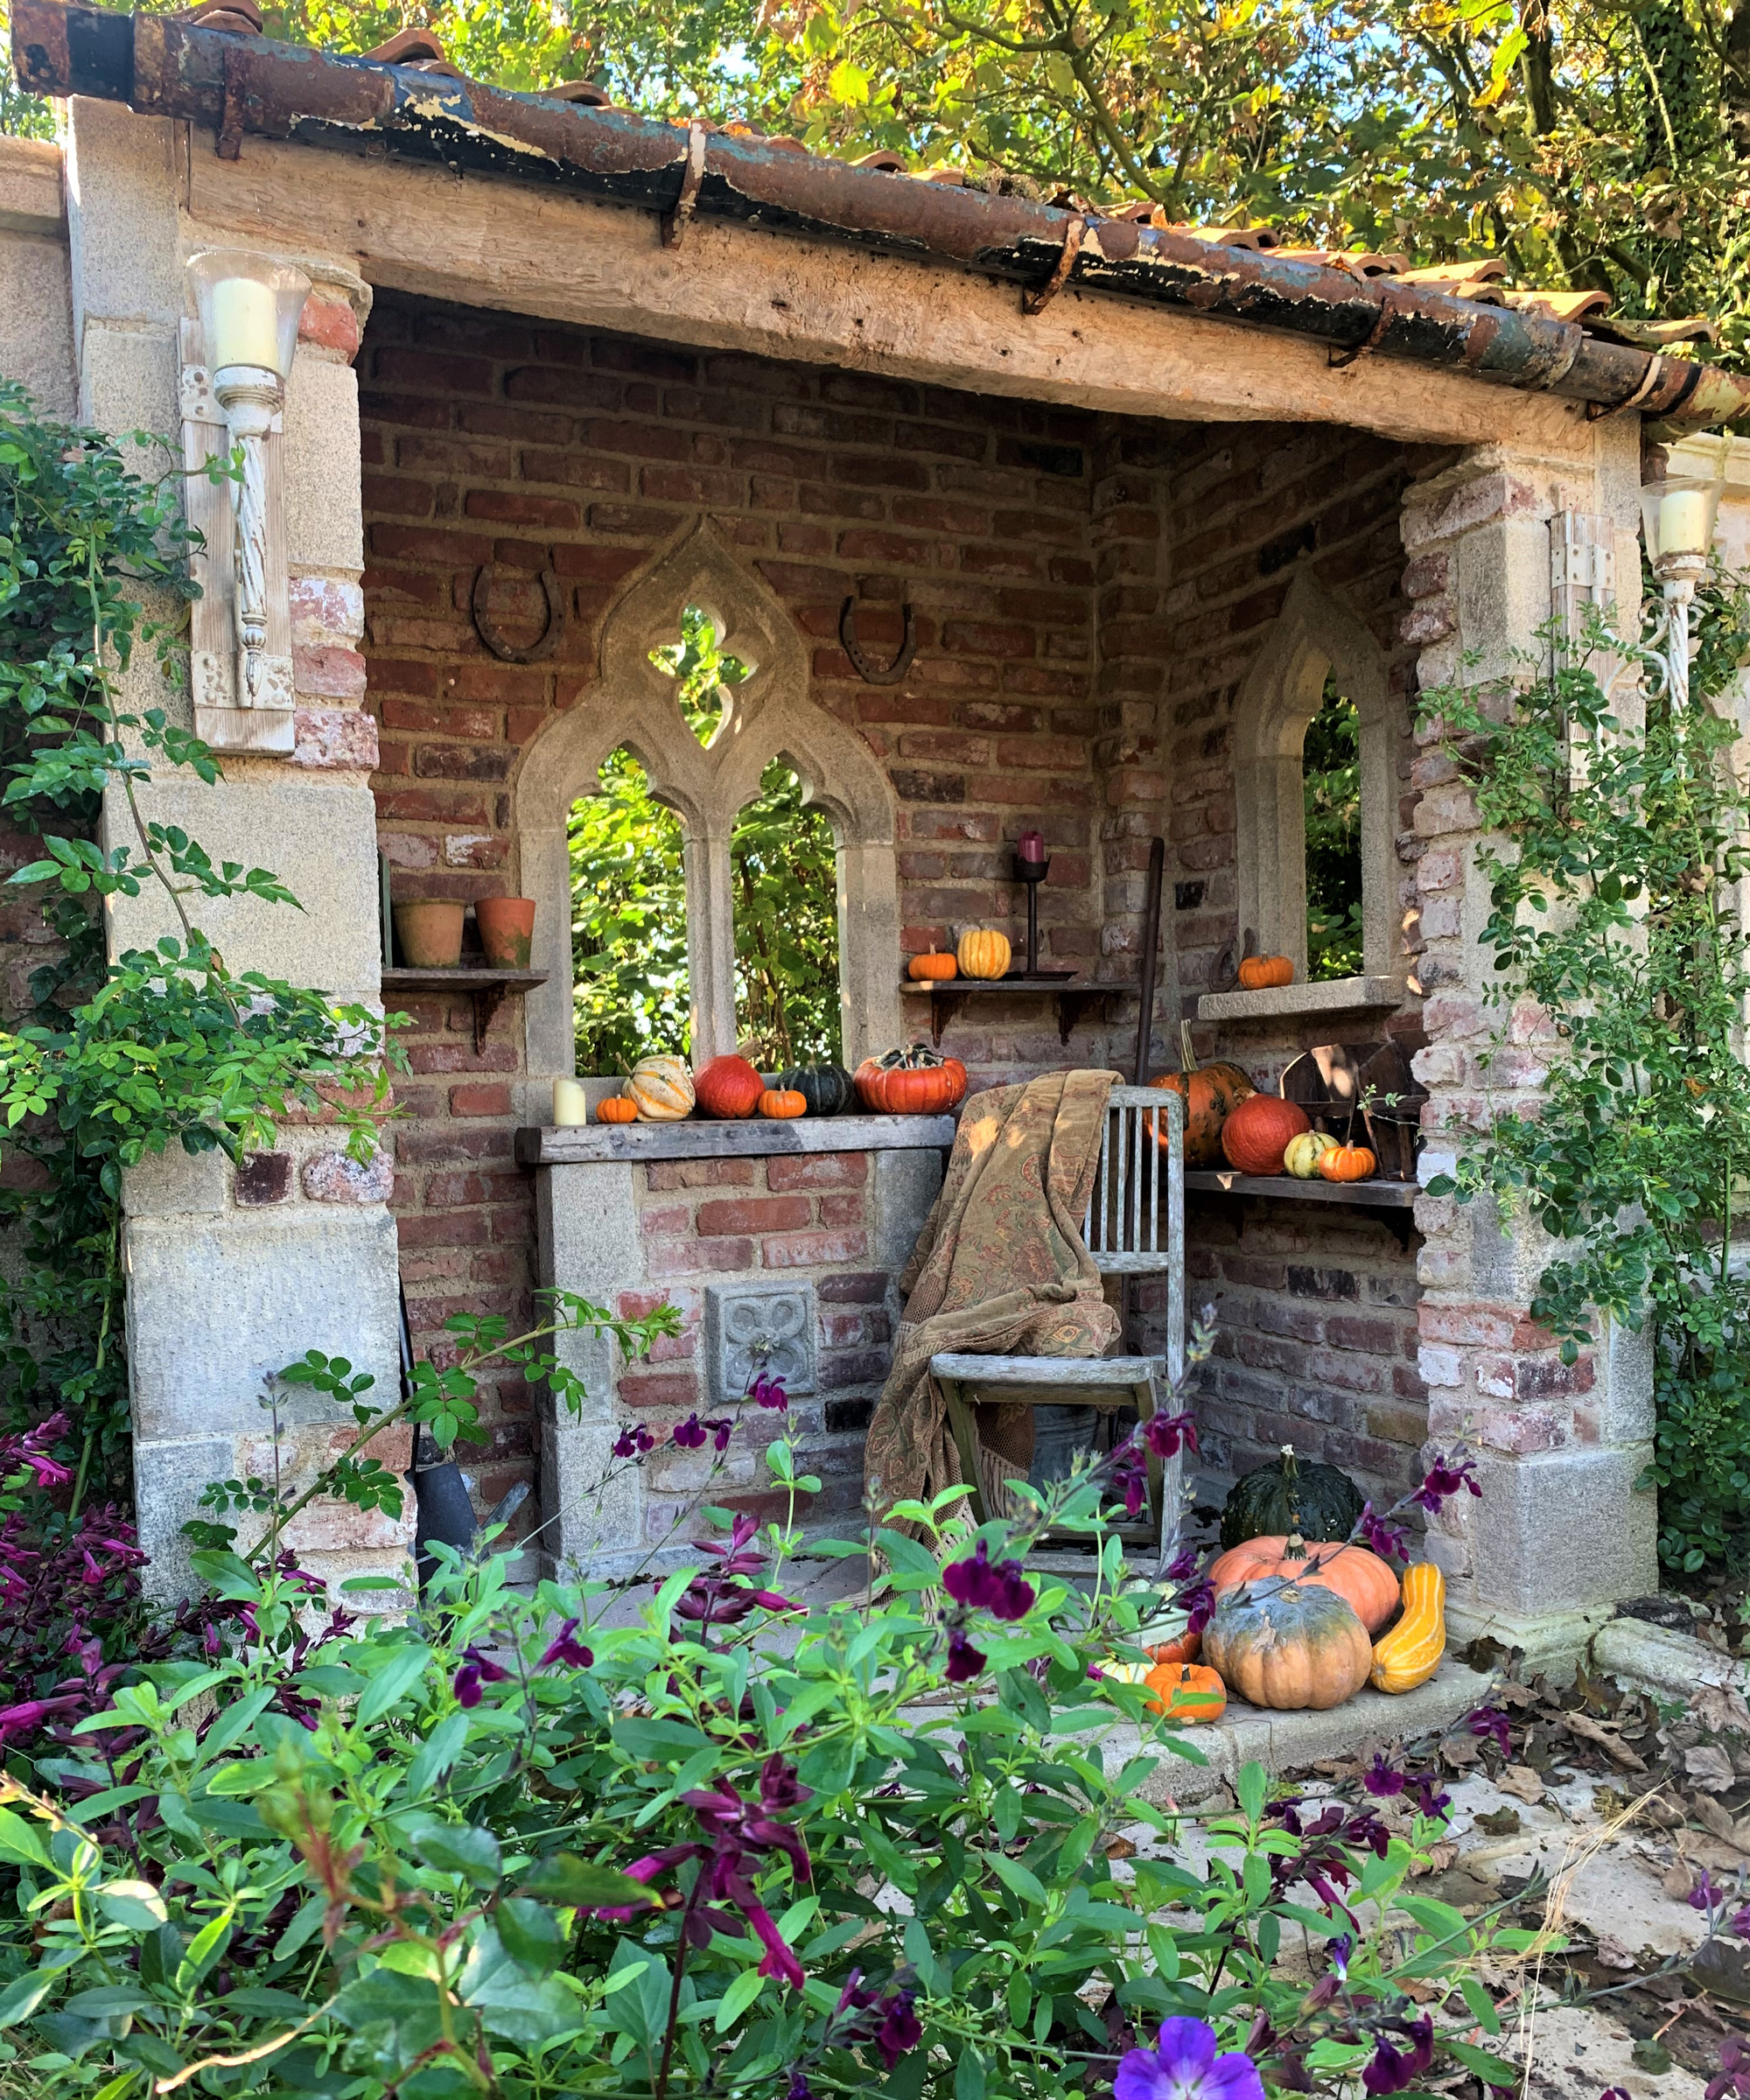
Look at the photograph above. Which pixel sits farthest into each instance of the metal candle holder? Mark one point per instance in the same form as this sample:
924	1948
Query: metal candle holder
1033	873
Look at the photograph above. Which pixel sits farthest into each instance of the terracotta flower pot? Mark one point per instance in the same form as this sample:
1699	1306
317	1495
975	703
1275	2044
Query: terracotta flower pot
506	927
428	934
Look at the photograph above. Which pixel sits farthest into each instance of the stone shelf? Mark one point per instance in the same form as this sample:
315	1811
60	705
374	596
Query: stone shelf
1075	997
591	1143
488	988
1289	1002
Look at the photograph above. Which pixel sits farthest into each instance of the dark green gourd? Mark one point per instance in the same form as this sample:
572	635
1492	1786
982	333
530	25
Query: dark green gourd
1285	1495
827	1088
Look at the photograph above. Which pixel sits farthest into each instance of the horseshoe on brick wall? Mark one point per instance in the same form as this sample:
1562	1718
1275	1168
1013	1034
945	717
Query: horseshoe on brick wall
488	633
866	670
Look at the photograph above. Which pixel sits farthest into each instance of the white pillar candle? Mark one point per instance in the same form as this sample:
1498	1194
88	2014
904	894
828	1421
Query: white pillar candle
1682	522
245	324
570	1103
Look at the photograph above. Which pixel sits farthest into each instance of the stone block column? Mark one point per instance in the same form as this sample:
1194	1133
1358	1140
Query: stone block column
231	1275
1561	1530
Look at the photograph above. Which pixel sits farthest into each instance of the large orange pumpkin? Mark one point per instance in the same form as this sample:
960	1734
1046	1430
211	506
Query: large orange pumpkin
1210	1093
1361	1578
1288	1647
728	1088
1258	1133
917	1081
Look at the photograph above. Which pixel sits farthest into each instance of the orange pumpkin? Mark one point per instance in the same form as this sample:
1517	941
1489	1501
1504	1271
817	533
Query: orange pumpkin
932	969
1346	1163
1188	1694
782	1102
1183	1647
1259	973
728	1088
1288	1647
1210	1093
918	1082
1257	1134
616	1109
1361	1578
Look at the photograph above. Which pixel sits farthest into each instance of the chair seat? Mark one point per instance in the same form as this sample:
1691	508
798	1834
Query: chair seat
1088	1375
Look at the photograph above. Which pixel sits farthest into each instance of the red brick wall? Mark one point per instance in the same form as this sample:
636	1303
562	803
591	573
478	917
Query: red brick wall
1088	593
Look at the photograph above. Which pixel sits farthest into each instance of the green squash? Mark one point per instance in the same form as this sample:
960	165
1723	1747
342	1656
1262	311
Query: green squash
827	1088
1285	1495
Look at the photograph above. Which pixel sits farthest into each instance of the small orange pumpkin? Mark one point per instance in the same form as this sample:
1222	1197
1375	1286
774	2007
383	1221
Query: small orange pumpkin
616	1109
782	1102
1183	1647
1346	1163
1260	973
1189	1693
932	969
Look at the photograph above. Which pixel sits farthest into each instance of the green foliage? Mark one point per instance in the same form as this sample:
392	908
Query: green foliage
660	1853
629	900
1331	772
1612	909
121	1059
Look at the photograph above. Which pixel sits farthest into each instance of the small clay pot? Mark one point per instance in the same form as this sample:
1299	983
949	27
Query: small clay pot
506	927
428	934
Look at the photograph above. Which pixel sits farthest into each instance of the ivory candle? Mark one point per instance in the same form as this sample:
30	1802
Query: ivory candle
570	1103
245	324
1682	522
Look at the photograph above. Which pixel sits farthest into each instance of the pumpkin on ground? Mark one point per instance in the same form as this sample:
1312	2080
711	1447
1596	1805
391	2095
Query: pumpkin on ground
917	1081
728	1088
1186	1693
931	968
1303	1154
1210	1093
616	1109
1361	1578
1411	1653
827	1088
782	1103
661	1089
1260	973
983	952
1260	1131
1289	1647
1347	1163
1287	1494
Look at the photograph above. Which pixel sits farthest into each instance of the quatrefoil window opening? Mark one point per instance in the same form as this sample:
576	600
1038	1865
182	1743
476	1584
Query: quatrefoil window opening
705	675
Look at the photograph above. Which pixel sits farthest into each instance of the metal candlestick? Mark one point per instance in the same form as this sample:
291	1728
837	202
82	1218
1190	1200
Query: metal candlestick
1033	873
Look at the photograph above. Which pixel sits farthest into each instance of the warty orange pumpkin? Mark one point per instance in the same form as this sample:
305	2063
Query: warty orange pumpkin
1210	1093
1361	1578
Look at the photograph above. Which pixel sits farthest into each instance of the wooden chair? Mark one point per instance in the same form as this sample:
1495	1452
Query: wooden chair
1134	1226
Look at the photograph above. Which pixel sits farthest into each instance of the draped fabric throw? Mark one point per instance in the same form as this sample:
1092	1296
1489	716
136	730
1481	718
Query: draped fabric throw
1000	1269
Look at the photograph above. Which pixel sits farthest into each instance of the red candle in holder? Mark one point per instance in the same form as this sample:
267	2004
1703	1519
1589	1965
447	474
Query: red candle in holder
1031	846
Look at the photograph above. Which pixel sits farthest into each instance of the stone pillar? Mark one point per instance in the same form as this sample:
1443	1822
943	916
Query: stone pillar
232	1275
1561	1530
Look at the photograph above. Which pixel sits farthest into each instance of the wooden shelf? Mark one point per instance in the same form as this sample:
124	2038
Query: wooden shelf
488	989
1396	1200
1075	997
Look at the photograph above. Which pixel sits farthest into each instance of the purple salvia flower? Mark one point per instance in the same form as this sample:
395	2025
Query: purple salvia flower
477	1669
900	2028
1129	1475
1390	1542
1183	2065
720	1431
1443	1480
633	1443
690	1434
1003	1590
769	1392
1382	1779
563	1649
964	1661
1395	2070
1490	1720
1165	1434
1705	1896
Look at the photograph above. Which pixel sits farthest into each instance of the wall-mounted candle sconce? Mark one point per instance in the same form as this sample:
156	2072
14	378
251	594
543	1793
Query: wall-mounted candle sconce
1678	518
250	307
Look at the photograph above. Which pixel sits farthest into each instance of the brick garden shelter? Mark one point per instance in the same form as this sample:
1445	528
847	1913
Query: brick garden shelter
1138	492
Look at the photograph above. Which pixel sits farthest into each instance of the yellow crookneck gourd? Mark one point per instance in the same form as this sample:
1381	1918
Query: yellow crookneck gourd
1411	1653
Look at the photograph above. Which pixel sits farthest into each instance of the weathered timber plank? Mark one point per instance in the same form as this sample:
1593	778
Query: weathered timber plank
1374	1195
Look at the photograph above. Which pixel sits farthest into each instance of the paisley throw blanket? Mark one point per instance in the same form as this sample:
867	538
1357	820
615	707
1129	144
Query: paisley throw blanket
1000	1269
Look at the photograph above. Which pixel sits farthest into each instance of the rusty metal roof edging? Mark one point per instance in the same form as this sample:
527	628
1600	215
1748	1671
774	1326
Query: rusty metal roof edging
237	86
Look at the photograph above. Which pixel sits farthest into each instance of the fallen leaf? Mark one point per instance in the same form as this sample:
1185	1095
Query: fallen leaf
1612	1954
1709	1766
1677	1882
1458	1750
1522	1783
1499	1823
1716	1816
1605	1735
1718	1707
1121	1848
1651	2055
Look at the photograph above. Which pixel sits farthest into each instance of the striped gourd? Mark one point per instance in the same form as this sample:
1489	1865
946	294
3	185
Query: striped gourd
1411	1653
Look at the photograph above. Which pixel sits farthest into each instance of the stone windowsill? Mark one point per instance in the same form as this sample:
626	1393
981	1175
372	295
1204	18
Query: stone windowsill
1287	1002
596	1143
